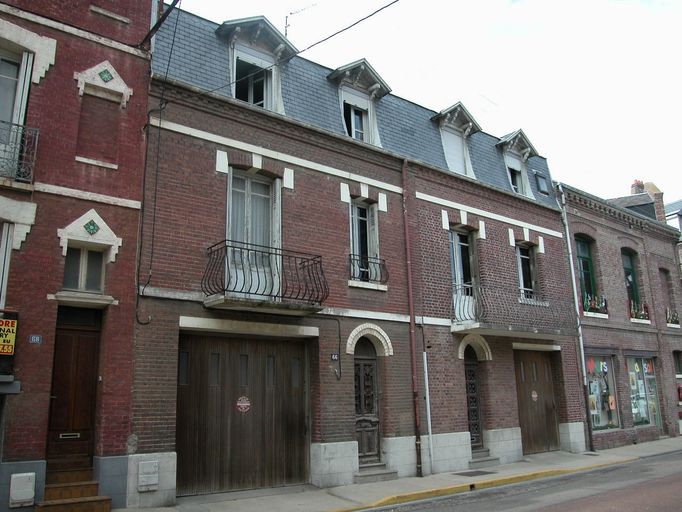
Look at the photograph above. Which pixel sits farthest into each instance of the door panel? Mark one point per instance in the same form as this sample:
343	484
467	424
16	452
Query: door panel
473	398
366	402
536	402
241	419
74	385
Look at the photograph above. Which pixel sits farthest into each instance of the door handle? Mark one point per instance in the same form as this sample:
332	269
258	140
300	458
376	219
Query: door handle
52	397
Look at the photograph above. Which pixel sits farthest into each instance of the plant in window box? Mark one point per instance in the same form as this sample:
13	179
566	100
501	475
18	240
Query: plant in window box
639	311
671	316
595	304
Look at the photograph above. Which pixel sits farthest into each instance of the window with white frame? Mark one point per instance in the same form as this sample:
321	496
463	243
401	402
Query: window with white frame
84	270
462	270
358	115
527	268
254	77
517	174
355	120
365	264
541	182
251	210
456	151
15	74
5	253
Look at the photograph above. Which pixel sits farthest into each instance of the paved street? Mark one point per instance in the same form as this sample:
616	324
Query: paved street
646	484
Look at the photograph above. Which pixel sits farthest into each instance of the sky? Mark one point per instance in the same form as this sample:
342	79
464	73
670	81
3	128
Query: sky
596	85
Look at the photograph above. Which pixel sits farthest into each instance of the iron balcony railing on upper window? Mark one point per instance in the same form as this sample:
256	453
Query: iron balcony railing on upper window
364	268
509	306
18	146
256	271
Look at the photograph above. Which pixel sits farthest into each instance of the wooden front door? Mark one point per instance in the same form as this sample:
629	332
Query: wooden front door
536	401
473	397
74	388
366	402
241	414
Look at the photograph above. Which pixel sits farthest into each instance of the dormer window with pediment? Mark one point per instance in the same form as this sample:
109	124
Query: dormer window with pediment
517	149
456	125
256	50
360	86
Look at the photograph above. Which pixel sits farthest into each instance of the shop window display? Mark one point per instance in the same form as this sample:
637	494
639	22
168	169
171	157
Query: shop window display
643	391
602	393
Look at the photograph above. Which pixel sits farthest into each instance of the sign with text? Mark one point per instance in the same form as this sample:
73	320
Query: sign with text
8	336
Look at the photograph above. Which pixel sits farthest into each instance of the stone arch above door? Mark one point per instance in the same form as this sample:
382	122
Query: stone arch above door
375	334
478	343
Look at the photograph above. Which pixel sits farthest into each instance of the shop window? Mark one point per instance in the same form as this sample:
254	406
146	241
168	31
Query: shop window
84	270
643	391
602	392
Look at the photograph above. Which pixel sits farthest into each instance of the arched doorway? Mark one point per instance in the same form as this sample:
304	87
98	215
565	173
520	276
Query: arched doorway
473	397
366	401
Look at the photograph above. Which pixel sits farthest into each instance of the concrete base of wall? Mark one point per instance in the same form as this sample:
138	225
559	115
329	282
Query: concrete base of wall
504	443
118	479
451	452
572	437
333	464
7	469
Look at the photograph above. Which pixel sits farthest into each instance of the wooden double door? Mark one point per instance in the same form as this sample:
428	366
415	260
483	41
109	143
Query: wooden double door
241	414
536	401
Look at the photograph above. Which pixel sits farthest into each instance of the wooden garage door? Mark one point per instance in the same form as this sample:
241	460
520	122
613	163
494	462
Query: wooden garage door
537	405
241	417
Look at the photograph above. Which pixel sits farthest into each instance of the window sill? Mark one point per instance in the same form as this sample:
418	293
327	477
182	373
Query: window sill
534	302
590	314
6	182
673	326
640	321
83	299
368	286
97	163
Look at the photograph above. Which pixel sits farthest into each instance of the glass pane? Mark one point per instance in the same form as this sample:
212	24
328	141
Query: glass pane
347	118
260	220
237	211
183	368
602	392
214	378
638	398
72	267
9	71
93	278
258	92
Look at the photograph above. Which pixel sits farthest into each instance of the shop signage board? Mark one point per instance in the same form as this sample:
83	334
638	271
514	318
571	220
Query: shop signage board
8	336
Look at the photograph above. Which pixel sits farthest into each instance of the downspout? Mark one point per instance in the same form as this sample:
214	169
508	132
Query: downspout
576	304
410	301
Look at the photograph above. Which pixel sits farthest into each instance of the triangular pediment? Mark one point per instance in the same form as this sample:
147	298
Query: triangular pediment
103	81
459	118
519	143
90	231
361	75
257	32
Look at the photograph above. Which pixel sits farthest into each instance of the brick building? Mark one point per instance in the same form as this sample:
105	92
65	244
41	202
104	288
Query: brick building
73	106
628	282
312	248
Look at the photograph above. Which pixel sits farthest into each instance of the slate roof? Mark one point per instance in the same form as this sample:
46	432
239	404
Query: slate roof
641	203
673	207
200	59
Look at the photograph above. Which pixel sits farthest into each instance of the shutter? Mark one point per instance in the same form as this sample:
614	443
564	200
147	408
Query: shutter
24	79
373	228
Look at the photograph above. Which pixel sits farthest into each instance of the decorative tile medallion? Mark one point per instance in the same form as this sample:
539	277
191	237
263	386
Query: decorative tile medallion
91	227
106	75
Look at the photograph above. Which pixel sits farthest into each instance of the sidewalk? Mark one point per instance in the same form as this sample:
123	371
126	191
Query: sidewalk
360	496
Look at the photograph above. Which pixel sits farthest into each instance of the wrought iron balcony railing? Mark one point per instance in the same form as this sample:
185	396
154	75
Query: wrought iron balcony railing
372	270
18	146
671	316
595	304
498	305
639	310
255	271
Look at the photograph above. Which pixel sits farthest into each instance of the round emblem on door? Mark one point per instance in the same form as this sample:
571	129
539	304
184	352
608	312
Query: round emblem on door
243	404
534	396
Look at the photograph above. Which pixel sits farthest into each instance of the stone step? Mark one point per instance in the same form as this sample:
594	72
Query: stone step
484	462
71	490
63	476
374	472
88	504
480	453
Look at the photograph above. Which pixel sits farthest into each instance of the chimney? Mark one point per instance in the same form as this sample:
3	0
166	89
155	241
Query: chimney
637	187
655	194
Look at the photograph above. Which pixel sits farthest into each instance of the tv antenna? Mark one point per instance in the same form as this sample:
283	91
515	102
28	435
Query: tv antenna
286	18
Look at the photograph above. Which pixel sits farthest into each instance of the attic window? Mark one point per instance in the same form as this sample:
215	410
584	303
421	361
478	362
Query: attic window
541	182
515	180
355	119
252	83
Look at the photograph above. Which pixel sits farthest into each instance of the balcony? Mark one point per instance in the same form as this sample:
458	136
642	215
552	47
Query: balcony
18	146
367	270
248	277
507	311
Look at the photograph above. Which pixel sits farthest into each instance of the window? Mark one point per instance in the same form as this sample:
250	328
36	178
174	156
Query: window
84	270
643	391
592	302
251	211
14	81
252	83
365	264
517	173
638	310
525	258
677	358
355	120
6	230
541	182
461	261
602	392
456	152
671	315
515	180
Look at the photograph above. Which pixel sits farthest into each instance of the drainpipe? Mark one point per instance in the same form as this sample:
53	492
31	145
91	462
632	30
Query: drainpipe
410	301
428	405
576	304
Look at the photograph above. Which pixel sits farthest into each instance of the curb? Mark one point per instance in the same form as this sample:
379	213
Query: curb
475	486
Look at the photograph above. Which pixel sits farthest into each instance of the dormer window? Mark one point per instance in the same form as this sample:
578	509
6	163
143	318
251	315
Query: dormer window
516	180
256	51
517	149
456	125
359	89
